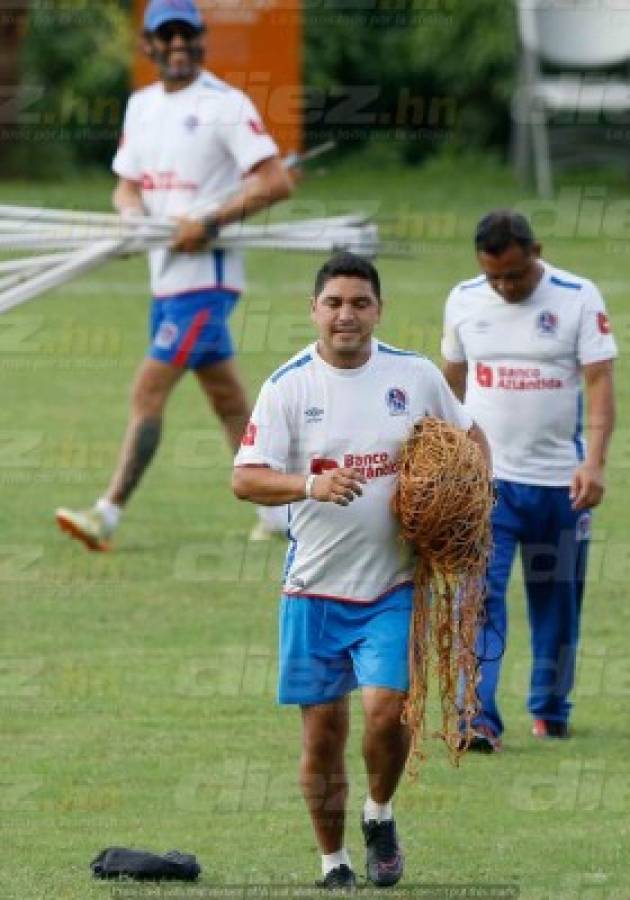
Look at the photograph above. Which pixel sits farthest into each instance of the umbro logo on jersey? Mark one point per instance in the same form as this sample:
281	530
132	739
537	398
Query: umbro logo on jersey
547	322
482	326
397	401
314	414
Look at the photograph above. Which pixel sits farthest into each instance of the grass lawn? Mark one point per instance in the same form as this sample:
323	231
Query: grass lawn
137	687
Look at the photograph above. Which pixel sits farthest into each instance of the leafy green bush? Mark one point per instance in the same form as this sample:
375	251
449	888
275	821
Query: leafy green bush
75	82
470	55
413	75
441	71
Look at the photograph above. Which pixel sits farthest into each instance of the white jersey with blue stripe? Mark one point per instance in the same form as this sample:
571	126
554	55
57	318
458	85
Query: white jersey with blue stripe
187	147
524	369
311	417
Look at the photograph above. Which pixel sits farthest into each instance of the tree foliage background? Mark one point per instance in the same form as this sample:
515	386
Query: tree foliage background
455	55
75	80
417	75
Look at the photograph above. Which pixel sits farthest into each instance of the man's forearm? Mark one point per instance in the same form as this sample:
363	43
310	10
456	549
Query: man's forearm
127	199
266	487
600	417
478	436
257	194
456	375
600	425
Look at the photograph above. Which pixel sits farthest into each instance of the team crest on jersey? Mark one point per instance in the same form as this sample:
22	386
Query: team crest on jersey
547	322
166	336
397	401
191	122
583	527
313	414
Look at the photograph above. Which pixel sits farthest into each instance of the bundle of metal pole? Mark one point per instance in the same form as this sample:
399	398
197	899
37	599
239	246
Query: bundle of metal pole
86	239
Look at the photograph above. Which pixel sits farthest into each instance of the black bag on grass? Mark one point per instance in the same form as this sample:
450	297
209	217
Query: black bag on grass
119	862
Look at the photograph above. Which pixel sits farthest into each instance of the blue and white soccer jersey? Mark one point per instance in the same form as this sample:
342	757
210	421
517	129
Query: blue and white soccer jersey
310	417
524	389
185	148
524	361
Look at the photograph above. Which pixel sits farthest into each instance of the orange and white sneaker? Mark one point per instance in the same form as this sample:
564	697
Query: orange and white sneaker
549	728
86	525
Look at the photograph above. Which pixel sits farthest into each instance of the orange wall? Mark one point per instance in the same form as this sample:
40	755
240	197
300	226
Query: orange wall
255	45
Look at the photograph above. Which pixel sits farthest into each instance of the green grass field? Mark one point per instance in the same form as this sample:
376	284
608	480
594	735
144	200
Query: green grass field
137	687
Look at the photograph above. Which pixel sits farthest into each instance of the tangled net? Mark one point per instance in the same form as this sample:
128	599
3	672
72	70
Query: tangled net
443	501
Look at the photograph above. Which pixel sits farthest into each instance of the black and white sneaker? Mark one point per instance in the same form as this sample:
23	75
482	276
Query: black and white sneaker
340	879
384	862
482	740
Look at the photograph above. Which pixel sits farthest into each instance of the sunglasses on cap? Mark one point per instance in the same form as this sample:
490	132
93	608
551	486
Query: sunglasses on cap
168	30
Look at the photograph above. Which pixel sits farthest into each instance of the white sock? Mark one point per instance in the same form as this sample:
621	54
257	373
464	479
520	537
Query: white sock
275	518
377	812
111	512
332	861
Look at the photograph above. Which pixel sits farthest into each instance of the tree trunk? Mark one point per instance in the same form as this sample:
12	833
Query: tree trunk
13	22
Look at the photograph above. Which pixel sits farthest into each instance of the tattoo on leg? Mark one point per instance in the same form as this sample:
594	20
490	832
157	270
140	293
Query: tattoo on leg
141	446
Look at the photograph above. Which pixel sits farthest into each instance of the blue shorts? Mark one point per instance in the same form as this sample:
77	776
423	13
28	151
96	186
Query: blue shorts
191	330
328	647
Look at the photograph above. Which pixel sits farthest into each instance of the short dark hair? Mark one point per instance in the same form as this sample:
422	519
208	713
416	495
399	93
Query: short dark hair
500	229
351	266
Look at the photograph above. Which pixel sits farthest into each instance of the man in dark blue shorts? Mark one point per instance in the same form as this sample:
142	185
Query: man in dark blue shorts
522	344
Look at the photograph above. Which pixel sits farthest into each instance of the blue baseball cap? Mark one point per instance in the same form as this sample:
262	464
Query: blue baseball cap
160	11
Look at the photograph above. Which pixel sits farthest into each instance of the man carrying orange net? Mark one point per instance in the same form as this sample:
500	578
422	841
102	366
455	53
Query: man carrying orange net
326	437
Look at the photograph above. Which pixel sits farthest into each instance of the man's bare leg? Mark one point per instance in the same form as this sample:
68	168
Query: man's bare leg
322	770
151	389
224	389
152	386
385	751
385	741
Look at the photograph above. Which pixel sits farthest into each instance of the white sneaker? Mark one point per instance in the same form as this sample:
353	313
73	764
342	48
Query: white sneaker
86	525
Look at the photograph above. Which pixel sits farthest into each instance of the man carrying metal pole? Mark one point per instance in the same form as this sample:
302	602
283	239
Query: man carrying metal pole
186	138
